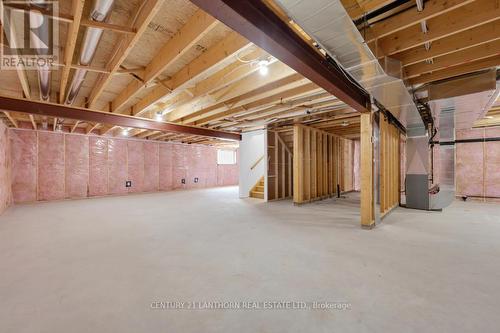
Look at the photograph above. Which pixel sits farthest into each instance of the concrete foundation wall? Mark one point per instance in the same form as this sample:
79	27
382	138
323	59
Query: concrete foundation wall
53	166
5	169
478	164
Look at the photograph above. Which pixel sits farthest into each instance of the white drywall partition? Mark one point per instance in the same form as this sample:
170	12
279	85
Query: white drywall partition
252	148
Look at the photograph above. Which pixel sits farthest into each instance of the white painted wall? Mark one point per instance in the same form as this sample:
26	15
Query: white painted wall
252	147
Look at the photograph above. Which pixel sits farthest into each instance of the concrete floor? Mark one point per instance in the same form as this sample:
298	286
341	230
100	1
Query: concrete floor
97	265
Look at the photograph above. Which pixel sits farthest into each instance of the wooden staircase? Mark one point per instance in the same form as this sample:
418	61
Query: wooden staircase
258	190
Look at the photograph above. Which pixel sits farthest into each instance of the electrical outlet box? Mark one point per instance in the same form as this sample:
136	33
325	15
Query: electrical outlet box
128	183
196	179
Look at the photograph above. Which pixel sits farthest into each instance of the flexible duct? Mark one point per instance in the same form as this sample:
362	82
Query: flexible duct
99	13
36	20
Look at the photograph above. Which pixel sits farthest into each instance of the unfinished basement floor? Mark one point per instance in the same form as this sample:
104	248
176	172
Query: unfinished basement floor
97	265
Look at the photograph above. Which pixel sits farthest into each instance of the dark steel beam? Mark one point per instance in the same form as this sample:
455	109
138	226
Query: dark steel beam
75	113
260	25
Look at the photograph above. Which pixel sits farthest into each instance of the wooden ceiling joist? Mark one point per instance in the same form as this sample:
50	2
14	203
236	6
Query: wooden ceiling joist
471	54
304	102
472	37
11	119
456	70
108	26
412	16
251	86
228	47
258	23
460	19
237	102
251	99
190	34
33	122
225	77
126	44
274	99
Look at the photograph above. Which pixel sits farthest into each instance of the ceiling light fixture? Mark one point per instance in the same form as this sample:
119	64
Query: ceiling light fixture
159	116
263	67
125	131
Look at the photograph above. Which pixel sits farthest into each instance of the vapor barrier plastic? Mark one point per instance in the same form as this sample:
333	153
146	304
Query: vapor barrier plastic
135	157
24	165
469	170
77	166
478	164
179	172
492	170
117	166
356	174
98	158
50	166
151	167
212	168
227	175
166	167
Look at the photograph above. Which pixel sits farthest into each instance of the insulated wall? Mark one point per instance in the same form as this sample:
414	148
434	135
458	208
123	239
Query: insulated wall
54	166
478	163
5	169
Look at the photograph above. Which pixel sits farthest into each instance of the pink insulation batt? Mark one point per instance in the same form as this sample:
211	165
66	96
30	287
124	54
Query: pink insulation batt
478	164
117	166
51	180
98	160
166	167
179	161
77	166
24	157
469	169
52	166
135	160
151	167
357	157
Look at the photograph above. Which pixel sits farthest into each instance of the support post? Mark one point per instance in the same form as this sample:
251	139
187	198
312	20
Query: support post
367	208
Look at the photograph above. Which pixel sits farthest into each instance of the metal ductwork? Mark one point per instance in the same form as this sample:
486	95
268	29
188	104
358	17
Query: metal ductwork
100	13
328	23
36	20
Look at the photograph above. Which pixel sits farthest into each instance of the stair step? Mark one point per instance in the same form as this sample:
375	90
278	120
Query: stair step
255	194
259	188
